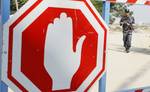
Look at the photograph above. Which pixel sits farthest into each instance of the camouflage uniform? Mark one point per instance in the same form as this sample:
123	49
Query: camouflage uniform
127	24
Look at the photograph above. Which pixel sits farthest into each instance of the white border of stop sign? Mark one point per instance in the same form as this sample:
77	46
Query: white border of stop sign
28	20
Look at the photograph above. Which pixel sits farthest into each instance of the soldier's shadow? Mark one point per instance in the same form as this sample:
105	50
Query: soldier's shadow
141	50
137	75
120	48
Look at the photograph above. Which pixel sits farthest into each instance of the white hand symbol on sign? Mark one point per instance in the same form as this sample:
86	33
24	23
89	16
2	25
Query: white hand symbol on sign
60	61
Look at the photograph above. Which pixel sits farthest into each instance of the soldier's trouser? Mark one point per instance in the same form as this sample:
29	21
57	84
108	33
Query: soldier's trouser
127	37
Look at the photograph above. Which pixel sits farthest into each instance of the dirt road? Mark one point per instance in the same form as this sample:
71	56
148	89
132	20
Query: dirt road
128	70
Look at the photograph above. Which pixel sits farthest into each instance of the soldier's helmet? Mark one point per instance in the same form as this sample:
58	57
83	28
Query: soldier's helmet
127	11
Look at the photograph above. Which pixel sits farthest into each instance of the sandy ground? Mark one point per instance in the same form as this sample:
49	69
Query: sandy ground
127	70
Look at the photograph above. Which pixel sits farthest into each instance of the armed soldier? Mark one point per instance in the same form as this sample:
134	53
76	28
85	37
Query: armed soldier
127	22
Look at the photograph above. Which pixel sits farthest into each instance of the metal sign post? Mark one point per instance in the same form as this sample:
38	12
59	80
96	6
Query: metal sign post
105	15
4	16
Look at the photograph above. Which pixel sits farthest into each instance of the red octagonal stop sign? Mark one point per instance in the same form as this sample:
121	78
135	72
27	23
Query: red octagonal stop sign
54	46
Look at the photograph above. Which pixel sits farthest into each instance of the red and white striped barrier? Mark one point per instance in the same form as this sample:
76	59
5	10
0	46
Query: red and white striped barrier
142	90
146	89
145	2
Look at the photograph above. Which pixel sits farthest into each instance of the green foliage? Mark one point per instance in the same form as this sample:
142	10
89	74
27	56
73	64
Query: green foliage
98	5
13	5
21	2
116	10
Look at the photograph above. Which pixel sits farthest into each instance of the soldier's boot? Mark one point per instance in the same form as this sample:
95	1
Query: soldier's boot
127	50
